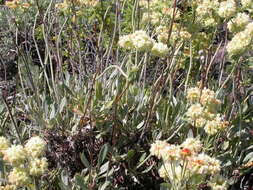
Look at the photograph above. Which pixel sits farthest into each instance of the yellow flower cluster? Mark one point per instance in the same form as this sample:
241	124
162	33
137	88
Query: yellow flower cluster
17	4
202	112
26	161
185	161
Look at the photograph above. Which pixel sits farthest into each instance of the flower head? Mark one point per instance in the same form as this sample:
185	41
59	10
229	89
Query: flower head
157	148
19	177
35	146
38	166
4	144
15	155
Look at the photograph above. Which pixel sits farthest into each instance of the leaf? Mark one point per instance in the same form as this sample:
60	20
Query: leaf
143	156
190	134
130	154
165	186
64	178
148	169
102	153
104	168
140	125
99	90
80	182
248	157
62	104
52	114
67	89
84	160
103	187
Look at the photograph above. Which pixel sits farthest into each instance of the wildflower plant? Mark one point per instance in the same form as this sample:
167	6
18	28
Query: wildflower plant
127	94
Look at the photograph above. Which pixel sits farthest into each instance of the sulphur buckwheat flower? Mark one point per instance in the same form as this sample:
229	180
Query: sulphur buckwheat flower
215	125
126	42
239	22
153	17
141	41
195	111
19	177
12	4
4	144
172	172
8	187
193	144
157	148
227	8
171	153
249	30
162	34
160	49
218	182
38	166
247	3
204	164
15	155
207	96
193	94
35	146
206	7
238	44
138	40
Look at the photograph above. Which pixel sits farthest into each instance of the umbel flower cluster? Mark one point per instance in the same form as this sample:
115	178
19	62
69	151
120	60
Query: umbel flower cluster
25	161
202	112
187	164
139	40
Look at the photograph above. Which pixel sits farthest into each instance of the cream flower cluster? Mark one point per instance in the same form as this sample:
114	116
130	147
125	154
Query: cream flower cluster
66	3
218	182
247	4
227	9
206	7
26	161
239	22
241	41
4	144
140	41
154	17
184	162
177	33
160	49
202	112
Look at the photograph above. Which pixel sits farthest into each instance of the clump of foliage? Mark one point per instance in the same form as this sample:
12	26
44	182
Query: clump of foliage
126	94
